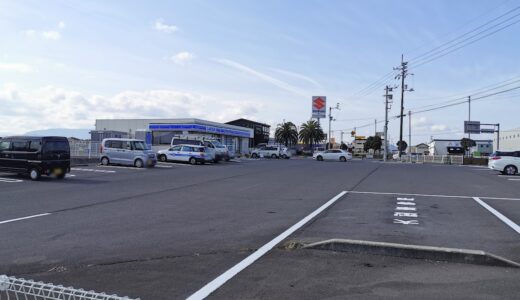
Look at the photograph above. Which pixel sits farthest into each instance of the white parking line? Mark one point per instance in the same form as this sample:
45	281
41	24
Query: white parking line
429	195
224	277
498	215
121	167
92	170
24	218
162	166
514	179
10	180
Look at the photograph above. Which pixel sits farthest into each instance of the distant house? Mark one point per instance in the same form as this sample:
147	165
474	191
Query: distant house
421	148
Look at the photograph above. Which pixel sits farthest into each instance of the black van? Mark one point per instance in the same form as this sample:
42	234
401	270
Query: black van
35	156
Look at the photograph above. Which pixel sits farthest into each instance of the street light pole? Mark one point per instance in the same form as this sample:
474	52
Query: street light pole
330	123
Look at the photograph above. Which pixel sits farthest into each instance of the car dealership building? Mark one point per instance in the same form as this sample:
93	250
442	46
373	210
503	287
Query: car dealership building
159	132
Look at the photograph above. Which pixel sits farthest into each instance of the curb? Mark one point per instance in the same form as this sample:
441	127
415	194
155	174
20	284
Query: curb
467	256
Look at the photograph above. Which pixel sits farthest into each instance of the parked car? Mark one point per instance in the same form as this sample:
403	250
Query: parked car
507	162
333	154
35	156
130	152
271	151
184	153
210	151
221	150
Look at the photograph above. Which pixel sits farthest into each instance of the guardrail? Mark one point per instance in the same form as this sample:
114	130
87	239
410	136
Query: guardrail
85	149
19	288
433	159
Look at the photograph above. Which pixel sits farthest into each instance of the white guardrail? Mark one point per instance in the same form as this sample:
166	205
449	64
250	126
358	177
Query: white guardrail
19	288
434	159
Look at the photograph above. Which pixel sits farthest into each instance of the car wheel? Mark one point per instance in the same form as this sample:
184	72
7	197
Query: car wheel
34	174
193	161
254	155
510	170
61	175
343	159
138	163
285	156
105	161
163	158
319	158
274	156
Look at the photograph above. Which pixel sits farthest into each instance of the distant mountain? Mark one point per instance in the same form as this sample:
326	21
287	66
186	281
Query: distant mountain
80	133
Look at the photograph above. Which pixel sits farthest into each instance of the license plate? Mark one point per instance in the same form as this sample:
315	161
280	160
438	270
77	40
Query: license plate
58	171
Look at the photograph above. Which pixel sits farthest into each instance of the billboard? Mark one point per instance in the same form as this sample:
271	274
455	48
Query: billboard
319	107
471	126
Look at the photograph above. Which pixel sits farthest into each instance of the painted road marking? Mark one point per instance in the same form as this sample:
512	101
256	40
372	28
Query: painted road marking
10	180
514	179
162	166
405	203
405	208
405	199
405	214
70	175
429	195
410	222
24	218
121	167
224	277
92	170
498	215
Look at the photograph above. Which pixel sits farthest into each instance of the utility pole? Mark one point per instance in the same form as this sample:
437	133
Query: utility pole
410	131
498	136
388	98
469	114
341	136
330	122
402	75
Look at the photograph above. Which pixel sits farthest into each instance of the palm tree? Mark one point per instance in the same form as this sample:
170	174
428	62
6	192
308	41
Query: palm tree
286	133
311	133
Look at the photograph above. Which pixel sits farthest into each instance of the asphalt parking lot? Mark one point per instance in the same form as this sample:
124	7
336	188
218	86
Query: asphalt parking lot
167	232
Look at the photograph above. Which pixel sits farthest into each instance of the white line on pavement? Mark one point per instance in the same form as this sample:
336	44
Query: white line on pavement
405	208
121	167
498	215
24	218
92	170
10	180
514	179
224	277
405	203
162	166
428	195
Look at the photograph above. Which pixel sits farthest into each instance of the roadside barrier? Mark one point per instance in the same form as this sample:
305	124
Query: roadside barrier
433	159
19	288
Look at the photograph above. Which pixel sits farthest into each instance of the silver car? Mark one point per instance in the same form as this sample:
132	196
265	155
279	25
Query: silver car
129	152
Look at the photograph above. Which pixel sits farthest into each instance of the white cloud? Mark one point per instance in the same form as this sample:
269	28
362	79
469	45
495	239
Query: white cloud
439	127
183	58
161	26
29	32
13	67
61	25
281	84
60	108
51	35
297	76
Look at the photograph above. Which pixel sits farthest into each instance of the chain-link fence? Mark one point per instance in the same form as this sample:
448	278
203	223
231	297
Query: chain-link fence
433	159
19	288
84	149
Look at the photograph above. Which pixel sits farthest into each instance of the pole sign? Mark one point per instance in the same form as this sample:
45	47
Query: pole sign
471	126
319	107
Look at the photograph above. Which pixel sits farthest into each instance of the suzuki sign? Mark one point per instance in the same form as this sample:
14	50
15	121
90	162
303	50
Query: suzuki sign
319	107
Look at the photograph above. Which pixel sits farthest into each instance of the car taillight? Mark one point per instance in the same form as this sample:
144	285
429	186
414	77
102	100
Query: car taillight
496	157
101	149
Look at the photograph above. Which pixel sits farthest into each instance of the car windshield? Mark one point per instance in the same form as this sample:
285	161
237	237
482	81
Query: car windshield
218	144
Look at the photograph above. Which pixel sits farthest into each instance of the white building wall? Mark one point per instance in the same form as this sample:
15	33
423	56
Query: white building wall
509	140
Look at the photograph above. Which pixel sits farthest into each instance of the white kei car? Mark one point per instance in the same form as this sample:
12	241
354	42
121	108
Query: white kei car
332	154
184	153
506	162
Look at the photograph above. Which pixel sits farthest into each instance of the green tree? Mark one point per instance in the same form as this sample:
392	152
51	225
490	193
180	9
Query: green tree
402	145
311	133
286	133
368	143
377	142
467	143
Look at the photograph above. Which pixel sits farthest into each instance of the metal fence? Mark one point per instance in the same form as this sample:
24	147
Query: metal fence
19	288
85	149
433	159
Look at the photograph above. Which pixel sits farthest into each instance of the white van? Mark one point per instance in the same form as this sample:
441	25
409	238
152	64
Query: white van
196	141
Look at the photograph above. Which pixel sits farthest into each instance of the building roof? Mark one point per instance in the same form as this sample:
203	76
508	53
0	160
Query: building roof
249	121
178	121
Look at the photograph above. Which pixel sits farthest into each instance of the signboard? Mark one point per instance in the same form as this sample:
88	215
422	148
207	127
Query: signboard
487	130
471	126
319	107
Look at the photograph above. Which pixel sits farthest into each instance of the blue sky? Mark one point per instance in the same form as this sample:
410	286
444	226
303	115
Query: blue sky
66	63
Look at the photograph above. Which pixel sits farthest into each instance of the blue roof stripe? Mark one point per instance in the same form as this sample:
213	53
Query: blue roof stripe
201	128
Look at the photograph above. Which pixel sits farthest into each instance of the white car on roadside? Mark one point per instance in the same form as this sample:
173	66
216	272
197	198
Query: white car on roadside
270	151
332	154
507	162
